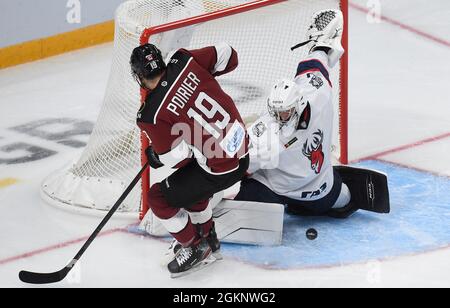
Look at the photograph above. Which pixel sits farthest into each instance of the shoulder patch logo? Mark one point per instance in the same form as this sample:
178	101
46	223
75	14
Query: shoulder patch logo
234	139
315	81
259	129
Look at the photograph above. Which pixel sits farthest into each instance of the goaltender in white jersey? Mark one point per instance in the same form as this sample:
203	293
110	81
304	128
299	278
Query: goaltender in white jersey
290	155
293	156
291	145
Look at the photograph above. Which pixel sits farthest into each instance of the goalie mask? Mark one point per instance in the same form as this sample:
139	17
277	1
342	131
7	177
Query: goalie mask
146	62
286	103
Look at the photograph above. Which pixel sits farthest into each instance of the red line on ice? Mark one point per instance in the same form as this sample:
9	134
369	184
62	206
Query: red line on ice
403	147
55	247
403	26
413	168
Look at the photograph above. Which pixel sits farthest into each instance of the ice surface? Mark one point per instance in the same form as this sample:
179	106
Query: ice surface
398	96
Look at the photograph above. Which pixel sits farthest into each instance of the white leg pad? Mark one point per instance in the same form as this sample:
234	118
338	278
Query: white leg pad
252	223
239	222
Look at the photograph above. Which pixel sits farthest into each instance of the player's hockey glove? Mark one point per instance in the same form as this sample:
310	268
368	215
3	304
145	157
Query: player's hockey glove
153	158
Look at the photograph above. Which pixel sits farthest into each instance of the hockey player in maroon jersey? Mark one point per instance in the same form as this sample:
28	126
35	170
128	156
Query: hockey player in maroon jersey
194	127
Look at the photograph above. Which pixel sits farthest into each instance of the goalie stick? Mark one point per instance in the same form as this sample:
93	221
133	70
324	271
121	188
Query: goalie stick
47	278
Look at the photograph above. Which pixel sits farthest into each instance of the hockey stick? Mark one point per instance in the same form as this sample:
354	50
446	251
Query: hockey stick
43	278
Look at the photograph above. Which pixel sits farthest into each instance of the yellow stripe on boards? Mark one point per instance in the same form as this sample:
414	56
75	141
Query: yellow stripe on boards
8	182
55	45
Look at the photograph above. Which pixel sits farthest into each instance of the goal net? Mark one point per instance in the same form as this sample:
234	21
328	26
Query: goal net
262	33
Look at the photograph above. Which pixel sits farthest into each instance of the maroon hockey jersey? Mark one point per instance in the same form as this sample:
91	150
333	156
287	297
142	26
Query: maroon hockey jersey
189	116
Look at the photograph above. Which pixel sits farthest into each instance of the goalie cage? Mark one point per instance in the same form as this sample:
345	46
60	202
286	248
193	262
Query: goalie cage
261	31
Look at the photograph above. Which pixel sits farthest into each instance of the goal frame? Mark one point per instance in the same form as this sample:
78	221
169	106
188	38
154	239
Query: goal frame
343	95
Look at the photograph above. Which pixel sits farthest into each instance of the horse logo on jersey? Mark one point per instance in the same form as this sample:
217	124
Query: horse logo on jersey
313	150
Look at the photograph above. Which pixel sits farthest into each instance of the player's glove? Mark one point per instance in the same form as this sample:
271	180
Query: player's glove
153	158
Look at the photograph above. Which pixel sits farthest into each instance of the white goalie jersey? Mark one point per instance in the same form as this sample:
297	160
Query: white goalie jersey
295	162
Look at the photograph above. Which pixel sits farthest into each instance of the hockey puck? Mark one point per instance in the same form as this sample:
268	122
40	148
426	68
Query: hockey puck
311	234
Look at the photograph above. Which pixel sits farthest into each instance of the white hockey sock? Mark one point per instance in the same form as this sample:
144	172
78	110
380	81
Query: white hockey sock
201	217
176	223
344	197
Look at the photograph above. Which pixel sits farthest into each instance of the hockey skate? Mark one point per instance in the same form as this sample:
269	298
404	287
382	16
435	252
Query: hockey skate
191	259
212	240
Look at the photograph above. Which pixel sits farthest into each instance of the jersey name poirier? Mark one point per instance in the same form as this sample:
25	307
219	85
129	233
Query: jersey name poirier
184	93
296	161
188	116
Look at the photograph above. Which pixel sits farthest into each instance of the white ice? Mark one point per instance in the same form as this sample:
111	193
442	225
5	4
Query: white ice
398	95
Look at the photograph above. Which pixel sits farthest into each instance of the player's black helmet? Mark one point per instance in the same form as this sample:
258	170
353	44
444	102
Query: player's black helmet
146	62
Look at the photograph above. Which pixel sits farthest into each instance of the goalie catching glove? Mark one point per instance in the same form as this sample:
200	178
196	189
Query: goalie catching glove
325	33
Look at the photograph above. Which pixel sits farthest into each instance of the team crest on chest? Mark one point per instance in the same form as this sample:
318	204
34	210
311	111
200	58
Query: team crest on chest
313	149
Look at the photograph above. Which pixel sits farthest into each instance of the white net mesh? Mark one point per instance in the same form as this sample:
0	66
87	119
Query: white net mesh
262	38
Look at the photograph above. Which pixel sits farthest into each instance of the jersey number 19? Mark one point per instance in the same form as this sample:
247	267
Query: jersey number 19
209	114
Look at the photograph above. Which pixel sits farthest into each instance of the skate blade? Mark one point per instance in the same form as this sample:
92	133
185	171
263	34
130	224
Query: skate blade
208	261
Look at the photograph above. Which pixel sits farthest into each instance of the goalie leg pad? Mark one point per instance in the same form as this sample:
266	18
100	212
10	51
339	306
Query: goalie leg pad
369	191
251	223
239	222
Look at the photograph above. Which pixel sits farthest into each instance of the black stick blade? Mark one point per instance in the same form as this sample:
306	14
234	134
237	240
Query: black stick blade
41	278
